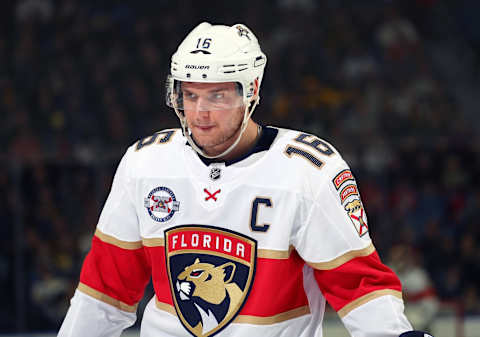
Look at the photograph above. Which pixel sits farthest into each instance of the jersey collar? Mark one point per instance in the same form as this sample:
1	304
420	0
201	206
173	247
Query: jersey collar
267	136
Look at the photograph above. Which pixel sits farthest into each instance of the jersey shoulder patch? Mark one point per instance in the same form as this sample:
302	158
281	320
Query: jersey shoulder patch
344	185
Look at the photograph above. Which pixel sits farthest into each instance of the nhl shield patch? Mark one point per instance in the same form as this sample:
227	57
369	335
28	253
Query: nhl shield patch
211	272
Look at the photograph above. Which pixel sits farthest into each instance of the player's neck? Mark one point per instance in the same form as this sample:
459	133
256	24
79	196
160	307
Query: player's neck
246	143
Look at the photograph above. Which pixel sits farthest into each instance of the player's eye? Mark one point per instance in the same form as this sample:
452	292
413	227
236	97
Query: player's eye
217	96
189	95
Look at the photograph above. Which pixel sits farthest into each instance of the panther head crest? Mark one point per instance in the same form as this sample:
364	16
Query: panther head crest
353	206
211	290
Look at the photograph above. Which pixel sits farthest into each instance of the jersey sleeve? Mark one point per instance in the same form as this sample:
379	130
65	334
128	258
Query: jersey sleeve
116	269
98	318
334	240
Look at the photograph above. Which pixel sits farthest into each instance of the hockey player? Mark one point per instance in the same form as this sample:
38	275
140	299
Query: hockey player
245	230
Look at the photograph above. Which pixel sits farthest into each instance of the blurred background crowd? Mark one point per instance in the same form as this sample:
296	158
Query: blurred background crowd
394	85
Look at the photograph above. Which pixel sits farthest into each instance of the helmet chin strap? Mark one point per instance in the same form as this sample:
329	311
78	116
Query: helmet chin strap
188	134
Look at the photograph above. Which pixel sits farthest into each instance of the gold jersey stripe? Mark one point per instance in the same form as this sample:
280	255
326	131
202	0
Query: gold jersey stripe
154	242
275	254
116	242
284	316
343	258
165	307
263	253
367	298
106	299
246	319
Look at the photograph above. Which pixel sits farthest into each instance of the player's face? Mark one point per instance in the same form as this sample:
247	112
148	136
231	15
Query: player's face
214	113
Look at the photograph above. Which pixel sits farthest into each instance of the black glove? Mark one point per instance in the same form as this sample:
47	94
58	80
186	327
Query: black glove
415	334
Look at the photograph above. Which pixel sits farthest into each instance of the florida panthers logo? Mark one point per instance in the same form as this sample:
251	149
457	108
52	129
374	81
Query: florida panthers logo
211	271
211	291
243	31
357	215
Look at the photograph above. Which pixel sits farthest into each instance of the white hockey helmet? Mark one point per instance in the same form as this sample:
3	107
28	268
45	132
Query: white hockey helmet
217	53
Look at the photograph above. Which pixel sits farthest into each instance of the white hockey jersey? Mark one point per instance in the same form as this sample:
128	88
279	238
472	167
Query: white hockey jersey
250	248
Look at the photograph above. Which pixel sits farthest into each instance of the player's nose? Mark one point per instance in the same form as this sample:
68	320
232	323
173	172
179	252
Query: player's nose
202	105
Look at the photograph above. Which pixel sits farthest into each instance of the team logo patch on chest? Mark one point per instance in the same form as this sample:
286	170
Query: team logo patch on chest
161	204
211	271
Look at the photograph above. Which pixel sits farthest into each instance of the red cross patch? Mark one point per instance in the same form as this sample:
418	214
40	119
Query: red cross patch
357	216
211	195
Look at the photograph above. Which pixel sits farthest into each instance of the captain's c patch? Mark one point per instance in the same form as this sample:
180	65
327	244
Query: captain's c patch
211	271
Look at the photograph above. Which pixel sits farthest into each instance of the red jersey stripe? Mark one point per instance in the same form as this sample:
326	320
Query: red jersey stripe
355	279
277	288
272	293
119	273
159	274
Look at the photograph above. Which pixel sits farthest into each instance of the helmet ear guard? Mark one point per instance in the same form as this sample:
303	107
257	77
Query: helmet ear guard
215	54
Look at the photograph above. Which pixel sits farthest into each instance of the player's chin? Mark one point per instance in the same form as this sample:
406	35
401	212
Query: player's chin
205	141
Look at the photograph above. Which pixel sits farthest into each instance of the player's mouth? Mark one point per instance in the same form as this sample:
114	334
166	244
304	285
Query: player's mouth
204	128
